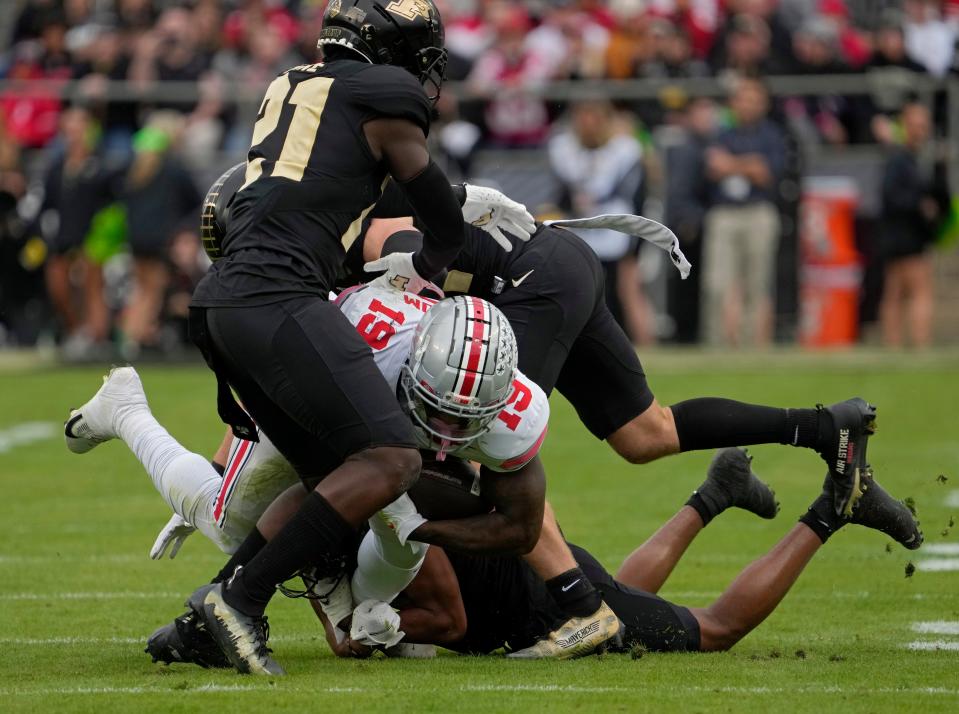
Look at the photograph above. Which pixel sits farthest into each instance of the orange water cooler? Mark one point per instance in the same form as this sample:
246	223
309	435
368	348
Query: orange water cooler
830	267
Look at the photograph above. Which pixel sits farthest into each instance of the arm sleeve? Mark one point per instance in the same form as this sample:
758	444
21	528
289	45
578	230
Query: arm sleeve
394	203
440	215
386	91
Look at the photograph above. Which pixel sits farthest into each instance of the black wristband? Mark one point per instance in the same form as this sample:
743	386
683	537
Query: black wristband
459	190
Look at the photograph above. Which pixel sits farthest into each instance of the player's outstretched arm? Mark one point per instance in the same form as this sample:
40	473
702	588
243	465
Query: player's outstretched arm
513	528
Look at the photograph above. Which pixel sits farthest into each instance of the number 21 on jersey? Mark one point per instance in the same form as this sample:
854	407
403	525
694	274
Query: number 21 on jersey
290	151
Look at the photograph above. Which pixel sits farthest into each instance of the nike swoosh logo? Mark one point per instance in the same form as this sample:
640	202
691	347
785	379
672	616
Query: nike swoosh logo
565	588
517	281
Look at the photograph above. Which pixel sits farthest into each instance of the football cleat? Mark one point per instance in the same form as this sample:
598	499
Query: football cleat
854	421
95	422
730	482
241	637
880	511
875	509
577	637
187	640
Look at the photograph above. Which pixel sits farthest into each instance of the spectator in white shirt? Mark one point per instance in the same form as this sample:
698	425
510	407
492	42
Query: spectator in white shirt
599	164
929	40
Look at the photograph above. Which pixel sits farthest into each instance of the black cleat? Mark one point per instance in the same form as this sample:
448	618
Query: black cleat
854	421
730	482
880	511
875	509
187	640
241	637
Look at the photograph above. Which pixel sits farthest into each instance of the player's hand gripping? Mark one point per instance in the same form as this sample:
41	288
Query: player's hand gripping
493	212
400	274
376	623
175	531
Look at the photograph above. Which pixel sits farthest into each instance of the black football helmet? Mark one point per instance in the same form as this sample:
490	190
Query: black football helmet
404	33
216	209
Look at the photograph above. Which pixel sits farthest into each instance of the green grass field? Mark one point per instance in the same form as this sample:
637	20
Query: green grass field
79	595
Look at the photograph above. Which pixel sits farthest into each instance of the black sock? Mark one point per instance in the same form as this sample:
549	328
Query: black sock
243	555
705	507
822	519
714	423
574	593
807	427
316	535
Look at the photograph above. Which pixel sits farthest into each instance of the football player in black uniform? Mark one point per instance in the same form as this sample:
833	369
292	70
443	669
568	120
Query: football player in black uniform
479	604
327	138
551	290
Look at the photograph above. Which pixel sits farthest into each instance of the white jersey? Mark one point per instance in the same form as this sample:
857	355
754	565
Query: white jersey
387	320
256	472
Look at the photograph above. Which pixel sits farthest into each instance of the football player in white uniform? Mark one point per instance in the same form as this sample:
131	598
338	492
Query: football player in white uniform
503	434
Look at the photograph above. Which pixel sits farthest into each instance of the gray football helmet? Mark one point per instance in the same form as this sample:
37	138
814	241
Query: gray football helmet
460	371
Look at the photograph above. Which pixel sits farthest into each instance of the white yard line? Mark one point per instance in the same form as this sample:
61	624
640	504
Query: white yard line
937	627
26	433
940	548
933	645
559	688
58	641
118	558
99	641
938	565
952	500
477	689
122	595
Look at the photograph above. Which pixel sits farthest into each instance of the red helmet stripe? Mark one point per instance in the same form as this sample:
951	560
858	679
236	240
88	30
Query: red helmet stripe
476	314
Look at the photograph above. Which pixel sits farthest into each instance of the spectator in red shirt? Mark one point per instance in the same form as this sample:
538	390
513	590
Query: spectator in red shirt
31	113
505	73
697	18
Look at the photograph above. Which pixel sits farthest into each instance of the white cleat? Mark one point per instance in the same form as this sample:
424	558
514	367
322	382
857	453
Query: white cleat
95	422
577	637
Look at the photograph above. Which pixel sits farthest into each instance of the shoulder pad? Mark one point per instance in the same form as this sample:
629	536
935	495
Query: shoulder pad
516	435
389	91
386	320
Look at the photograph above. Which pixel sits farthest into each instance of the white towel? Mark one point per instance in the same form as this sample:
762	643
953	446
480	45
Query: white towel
645	228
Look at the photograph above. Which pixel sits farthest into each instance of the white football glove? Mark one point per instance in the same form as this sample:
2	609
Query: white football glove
175	531
492	211
376	623
400	274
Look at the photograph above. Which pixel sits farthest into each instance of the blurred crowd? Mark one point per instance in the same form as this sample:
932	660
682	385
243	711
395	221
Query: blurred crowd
99	200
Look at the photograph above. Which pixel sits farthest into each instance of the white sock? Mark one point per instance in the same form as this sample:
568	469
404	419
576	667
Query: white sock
187	481
377	575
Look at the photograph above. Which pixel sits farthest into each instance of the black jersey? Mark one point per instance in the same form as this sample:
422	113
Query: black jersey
480	269
310	180
506	603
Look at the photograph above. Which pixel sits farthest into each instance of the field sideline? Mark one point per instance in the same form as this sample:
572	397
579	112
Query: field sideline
79	594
